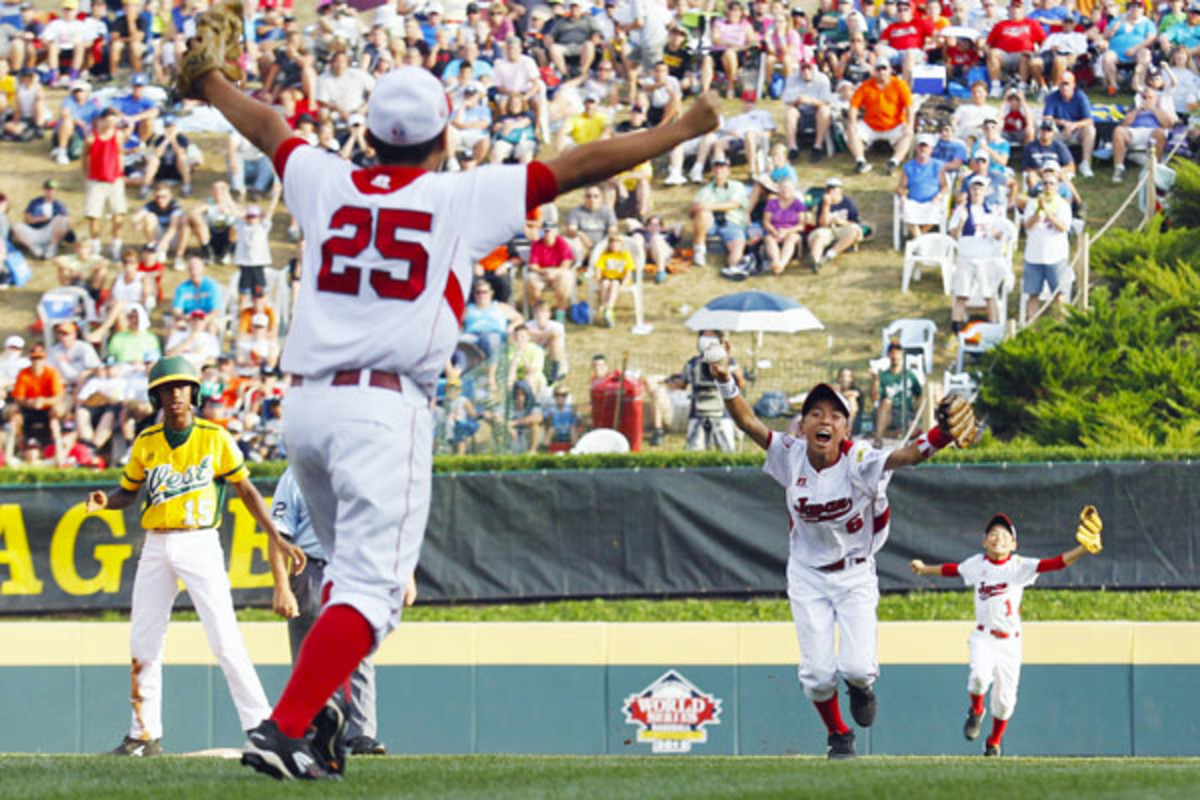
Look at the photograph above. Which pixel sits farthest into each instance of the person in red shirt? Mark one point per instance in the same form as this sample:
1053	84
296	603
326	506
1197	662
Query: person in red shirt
75	452
38	400
551	264
1011	45
905	39
105	176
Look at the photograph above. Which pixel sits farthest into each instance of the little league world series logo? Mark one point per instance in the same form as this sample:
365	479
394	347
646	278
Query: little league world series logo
672	714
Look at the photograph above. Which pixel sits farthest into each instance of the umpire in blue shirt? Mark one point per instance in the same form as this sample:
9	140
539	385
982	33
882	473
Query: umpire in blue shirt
299	601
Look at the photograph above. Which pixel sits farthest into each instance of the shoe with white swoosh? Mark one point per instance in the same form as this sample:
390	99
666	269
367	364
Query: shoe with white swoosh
138	748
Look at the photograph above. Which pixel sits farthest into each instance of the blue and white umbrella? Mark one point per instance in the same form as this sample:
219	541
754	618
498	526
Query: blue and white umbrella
760	312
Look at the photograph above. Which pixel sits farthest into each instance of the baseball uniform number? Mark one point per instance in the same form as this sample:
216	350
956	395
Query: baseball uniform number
389	247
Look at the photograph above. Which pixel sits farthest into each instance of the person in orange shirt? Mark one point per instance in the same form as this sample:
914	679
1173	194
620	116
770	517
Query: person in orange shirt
258	305
38	395
880	110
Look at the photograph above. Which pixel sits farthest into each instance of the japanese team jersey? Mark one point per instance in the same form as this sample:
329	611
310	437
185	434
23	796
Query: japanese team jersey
389	253
998	588
837	512
185	485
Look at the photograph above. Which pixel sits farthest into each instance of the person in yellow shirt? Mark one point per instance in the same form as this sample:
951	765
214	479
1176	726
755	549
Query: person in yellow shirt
588	126
614	266
185	464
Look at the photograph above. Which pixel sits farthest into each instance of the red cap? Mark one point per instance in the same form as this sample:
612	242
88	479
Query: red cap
749	95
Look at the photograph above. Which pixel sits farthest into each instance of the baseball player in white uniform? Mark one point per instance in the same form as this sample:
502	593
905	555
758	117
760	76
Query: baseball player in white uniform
998	578
377	317
838	509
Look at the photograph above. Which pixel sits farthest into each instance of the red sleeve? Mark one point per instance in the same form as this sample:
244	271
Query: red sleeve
1037	32
1051	564
949	570
284	151
540	185
994	35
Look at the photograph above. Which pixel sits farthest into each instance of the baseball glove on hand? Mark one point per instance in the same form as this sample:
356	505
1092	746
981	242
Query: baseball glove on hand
216	45
1088	532
956	418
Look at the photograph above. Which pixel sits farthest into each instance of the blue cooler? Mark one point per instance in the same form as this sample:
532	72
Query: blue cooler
929	79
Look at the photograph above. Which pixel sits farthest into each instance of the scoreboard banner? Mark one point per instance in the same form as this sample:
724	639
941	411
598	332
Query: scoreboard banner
499	537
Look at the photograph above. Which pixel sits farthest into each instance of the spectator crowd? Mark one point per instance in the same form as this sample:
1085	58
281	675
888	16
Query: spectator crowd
979	108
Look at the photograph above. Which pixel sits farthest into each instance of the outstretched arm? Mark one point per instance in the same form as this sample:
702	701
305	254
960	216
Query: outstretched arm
938	570
602	159
257	121
735	403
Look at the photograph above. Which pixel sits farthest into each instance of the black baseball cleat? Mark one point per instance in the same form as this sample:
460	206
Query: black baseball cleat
972	726
327	734
272	753
991	750
366	746
841	745
863	705
138	748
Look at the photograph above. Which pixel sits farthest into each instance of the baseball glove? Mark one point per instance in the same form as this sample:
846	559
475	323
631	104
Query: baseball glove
956	418
1088	532
216	45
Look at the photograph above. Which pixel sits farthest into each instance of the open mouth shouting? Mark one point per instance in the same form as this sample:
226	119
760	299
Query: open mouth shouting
823	435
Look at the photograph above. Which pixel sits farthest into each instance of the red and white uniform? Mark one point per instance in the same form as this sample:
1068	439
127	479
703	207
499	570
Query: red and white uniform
388	261
839	520
995	644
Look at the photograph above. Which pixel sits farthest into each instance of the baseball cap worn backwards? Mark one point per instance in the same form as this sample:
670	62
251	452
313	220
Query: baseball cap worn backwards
408	106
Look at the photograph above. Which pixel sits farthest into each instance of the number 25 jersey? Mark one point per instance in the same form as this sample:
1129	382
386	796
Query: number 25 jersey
388	256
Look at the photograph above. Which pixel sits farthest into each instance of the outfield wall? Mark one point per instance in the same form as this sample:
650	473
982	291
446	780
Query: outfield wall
1097	688
656	532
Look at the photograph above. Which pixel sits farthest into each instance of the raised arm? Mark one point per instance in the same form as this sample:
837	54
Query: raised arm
919	567
736	405
599	160
257	121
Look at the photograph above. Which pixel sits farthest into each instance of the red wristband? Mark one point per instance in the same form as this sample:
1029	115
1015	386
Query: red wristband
939	438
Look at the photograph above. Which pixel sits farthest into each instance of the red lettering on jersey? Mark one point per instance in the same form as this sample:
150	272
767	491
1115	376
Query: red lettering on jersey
822	512
855	524
384	179
386	285
882	520
454	296
988	591
802	481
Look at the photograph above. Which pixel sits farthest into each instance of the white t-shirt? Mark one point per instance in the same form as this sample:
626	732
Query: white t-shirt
1045	243
984	242
392	255
816	89
62	32
998	588
835	513
515	76
348	90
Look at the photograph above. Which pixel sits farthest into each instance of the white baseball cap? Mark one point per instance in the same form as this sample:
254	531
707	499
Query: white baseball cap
15	342
408	106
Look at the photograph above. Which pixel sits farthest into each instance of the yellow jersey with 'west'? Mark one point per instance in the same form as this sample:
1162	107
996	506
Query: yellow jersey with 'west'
185	483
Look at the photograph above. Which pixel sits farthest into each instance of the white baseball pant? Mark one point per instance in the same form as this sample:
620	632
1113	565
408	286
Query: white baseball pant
196	558
847	599
363	457
995	664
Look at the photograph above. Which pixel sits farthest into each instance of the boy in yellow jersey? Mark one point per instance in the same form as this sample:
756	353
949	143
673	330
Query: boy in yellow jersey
185	464
613	268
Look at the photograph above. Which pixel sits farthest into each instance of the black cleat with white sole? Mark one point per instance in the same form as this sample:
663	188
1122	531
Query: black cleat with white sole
272	753
992	750
137	748
972	726
841	745
326	736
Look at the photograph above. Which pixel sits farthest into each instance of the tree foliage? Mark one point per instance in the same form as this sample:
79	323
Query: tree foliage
1124	373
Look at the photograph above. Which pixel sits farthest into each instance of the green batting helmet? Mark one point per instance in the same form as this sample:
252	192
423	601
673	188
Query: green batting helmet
172	370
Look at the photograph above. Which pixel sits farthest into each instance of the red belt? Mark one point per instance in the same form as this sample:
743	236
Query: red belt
838	566
353	377
998	634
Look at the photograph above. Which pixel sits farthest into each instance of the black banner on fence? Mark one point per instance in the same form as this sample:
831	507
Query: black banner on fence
611	533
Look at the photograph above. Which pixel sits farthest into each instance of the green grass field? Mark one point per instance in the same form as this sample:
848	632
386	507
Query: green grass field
498	777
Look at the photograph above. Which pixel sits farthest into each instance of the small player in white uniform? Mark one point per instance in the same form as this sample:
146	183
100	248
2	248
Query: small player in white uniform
838	509
377	318
998	577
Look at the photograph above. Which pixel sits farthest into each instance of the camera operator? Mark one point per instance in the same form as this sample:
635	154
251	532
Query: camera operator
709	425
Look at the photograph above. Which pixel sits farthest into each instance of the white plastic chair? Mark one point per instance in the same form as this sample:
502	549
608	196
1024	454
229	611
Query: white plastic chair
899	220
637	247
64	304
929	249
914	335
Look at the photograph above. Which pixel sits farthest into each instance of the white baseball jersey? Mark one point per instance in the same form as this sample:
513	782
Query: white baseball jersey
837	512
998	588
388	256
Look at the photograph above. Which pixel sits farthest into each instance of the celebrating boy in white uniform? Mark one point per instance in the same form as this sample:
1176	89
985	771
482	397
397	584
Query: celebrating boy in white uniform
839	516
998	578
